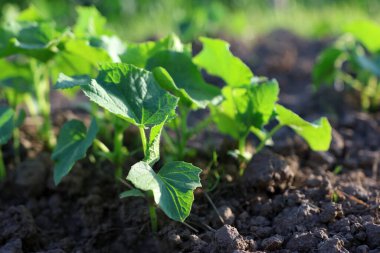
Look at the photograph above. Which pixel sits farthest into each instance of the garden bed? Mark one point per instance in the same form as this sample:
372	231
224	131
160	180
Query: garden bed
289	199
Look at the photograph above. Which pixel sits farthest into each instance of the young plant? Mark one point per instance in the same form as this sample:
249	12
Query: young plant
170	60
250	103
34	50
353	60
135	95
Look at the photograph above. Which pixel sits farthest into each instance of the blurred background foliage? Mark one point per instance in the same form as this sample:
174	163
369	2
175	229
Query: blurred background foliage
137	20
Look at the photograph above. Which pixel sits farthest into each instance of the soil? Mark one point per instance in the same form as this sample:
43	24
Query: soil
289	199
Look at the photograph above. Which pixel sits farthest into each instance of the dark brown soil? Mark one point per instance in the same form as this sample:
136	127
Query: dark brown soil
289	199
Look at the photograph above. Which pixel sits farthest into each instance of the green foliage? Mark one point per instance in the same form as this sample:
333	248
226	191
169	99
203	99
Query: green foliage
135	95
245	107
172	186
72	145
217	60
353	60
316	134
250	102
138	54
188	81
6	124
129	92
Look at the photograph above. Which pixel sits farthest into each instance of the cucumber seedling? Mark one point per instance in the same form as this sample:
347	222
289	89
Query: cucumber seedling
171	60
353	61
250	103
33	52
135	95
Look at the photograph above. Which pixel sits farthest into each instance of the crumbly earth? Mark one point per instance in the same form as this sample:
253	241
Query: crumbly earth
288	200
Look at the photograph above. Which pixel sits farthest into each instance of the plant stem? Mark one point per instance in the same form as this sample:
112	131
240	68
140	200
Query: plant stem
2	166
16	144
242	143
117	149
267	137
152	212
143	139
183	134
42	91
101	146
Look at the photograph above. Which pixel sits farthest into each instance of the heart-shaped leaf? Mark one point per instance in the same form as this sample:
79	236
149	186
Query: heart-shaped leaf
172	186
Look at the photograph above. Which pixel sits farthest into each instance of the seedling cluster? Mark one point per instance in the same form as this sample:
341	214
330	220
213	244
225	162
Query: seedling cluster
152	86
353	61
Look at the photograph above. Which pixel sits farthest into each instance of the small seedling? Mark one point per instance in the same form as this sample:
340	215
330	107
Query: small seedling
353	60
34	51
250	103
170	60
135	95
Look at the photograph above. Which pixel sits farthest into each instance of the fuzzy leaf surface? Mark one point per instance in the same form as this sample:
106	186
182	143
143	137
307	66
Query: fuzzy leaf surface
129	92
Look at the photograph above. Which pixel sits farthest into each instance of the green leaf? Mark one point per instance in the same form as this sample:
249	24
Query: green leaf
6	124
368	64
131	93
132	193
217	59
78	58
245	107
367	31
68	82
138	54
16	76
38	40
72	145
172	186
188	81
316	134
153	147
111	44
89	22
324	71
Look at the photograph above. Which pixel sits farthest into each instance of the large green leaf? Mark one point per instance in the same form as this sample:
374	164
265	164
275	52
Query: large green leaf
16	76
316	134
129	92
245	107
187	78
6	124
138	54
78	57
367	31
38	40
72	145
217	59
172	186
